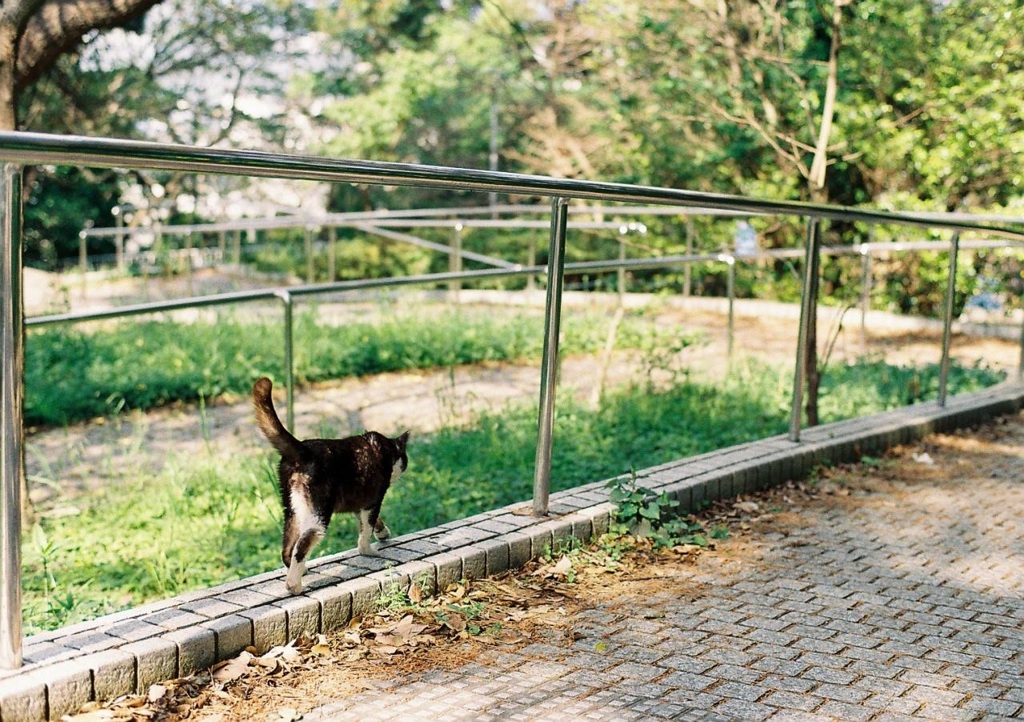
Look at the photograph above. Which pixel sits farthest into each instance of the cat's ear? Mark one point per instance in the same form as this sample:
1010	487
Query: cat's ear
403	439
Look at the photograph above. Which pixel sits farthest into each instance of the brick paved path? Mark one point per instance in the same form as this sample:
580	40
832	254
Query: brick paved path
901	601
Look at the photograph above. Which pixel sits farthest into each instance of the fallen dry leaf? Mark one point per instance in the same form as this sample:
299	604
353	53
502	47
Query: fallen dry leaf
232	669
563	567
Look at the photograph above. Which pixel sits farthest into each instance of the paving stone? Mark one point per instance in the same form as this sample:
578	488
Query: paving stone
233	634
214	607
519	549
269	626
23	697
46	652
132	630
449	569
197	649
113	673
474	561
156	660
90	641
303	616
175	618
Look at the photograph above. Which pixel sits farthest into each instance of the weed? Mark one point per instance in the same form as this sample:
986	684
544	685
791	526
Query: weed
639	510
393	598
645	513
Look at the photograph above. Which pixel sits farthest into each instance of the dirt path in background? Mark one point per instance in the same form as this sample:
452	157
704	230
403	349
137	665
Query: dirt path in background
62	462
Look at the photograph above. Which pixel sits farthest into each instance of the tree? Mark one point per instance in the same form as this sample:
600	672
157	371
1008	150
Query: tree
35	33
200	73
757	84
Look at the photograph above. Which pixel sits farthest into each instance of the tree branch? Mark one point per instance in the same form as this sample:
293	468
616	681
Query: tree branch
58	26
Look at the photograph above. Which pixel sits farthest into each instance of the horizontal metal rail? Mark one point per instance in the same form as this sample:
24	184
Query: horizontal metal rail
456	215
316	289
41	148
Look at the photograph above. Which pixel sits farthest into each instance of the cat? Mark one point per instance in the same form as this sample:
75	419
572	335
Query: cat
319	477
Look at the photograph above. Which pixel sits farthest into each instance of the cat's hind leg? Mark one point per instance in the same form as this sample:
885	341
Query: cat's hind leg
366	524
307	530
309	539
380	529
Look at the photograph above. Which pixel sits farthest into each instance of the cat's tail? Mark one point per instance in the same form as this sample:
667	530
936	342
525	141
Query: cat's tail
266	418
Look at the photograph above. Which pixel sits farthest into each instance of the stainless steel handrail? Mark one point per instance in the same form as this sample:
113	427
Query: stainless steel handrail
41	148
20	149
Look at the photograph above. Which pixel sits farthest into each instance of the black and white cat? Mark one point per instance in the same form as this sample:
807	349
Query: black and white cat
319	477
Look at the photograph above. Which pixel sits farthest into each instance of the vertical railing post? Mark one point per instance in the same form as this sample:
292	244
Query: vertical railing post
549	362
1020	364
808	302
455	261
118	214
531	261
731	293
12	385
620	273
189	245
865	295
310	261
289	359
691	233
332	253
83	261
947	320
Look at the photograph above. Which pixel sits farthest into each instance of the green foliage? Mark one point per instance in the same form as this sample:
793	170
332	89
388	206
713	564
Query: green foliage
645	513
198	522
59	204
847	389
72	374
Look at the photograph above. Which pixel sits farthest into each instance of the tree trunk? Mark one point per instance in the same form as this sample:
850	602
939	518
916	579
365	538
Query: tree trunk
816	186
811	371
8	101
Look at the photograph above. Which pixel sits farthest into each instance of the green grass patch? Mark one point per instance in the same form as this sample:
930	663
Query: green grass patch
73	374
201	522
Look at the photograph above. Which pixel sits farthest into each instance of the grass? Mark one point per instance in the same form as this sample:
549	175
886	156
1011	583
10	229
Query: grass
200	521
73	375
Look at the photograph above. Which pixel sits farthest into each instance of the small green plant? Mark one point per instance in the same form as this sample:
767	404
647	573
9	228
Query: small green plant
640	510
561	548
470	610
720	531
393	598
647	514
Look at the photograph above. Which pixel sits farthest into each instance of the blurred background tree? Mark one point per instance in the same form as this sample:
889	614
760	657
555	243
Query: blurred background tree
898	104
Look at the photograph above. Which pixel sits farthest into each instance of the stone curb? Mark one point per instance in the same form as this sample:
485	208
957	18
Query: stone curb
126	652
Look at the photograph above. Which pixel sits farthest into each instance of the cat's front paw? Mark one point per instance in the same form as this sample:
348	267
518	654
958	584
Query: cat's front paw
381	532
369	551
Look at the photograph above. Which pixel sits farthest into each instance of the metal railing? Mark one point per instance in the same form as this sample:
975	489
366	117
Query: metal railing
20	149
